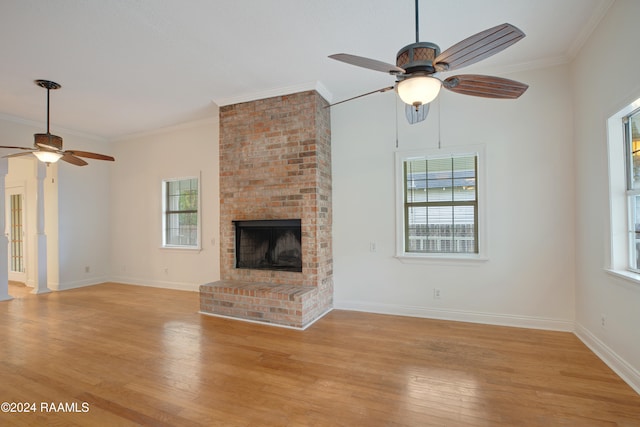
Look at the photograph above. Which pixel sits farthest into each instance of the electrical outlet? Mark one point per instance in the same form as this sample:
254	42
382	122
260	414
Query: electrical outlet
436	293
87	269
372	247
603	320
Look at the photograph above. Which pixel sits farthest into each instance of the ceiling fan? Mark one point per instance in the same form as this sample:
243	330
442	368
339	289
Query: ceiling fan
48	147
417	64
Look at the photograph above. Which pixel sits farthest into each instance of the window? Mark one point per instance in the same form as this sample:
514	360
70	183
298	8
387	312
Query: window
181	213
623	129
631	125
440	204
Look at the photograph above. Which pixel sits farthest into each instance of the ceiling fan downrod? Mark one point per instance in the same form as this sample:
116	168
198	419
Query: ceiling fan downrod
417	25
48	85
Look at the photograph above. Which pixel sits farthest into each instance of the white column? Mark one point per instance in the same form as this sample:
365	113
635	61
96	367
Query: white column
4	241
41	238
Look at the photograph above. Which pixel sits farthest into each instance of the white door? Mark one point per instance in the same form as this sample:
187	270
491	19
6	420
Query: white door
15	232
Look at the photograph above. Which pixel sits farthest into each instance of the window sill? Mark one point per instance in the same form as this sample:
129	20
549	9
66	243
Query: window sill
182	248
444	258
628	276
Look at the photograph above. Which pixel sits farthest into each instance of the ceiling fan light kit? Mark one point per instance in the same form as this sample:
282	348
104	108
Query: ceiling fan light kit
418	90
48	147
47	156
417	64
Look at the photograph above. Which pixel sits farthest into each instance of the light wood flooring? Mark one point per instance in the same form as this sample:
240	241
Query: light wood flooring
144	356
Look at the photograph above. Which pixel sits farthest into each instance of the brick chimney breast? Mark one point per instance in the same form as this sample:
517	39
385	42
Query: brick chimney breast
275	163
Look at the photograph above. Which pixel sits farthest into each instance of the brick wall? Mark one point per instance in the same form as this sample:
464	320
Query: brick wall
275	163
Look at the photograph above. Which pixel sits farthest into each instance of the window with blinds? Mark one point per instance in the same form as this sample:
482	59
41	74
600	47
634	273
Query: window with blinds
181	213
441	204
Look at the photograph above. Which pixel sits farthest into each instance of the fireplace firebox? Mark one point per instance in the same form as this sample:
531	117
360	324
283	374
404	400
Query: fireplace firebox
269	244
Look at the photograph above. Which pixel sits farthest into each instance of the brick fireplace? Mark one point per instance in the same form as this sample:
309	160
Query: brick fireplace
275	164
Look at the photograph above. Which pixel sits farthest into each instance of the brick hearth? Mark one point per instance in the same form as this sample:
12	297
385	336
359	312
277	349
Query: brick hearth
275	163
289	305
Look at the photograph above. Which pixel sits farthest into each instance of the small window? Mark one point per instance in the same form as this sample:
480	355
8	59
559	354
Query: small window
181	213
440	205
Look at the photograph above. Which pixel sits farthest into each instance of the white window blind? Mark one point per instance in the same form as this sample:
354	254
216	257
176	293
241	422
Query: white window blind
441	204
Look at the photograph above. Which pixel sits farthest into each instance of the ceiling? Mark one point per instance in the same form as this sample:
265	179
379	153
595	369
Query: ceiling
130	66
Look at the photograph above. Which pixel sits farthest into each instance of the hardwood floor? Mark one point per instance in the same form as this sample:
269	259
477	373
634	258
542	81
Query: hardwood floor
18	289
143	356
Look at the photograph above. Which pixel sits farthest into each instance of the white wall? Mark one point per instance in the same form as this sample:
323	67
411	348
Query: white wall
84	221
142	162
529	277
605	79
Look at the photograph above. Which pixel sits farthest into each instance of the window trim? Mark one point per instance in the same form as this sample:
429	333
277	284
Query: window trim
631	192
618	262
481	221
198	245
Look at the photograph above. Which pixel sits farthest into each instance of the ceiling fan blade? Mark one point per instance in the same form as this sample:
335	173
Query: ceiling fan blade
89	155
478	47
18	154
371	64
386	89
416	114
70	158
485	86
17	148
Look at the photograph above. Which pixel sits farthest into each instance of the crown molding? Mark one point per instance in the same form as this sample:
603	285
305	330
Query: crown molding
598	14
213	120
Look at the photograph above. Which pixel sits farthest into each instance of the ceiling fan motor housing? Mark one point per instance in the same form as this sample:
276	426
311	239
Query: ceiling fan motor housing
418	57
48	141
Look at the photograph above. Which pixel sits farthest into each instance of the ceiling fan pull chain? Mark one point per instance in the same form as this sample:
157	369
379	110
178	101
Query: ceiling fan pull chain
439	124
396	103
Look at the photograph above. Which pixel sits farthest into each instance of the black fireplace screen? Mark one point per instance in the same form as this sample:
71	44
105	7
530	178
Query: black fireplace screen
269	245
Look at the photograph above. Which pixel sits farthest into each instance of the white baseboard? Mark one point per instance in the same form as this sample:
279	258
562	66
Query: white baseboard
77	284
625	371
459	315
